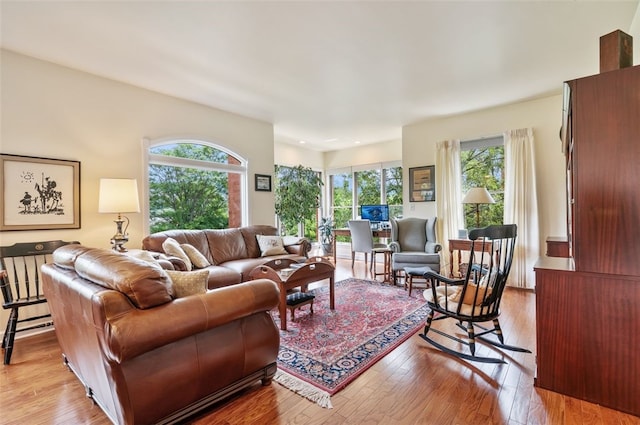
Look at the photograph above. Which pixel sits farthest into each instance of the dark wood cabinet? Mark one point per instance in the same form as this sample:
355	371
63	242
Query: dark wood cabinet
603	171
588	305
557	247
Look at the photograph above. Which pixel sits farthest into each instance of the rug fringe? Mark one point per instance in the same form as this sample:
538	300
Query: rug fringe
304	389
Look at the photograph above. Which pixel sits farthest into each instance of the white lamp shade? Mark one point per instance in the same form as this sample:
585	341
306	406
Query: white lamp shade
478	195
118	196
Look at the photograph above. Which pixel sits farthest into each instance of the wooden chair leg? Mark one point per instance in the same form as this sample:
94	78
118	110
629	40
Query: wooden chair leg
472	338
10	334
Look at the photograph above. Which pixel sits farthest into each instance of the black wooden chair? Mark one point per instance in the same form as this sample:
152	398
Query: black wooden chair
21	287
476	297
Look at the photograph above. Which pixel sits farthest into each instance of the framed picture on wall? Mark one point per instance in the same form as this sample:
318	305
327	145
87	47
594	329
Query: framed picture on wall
39	193
422	184
263	183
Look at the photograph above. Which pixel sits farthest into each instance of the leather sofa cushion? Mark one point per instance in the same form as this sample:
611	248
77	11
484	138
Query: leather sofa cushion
197	238
65	256
220	276
226	245
145	284
249	234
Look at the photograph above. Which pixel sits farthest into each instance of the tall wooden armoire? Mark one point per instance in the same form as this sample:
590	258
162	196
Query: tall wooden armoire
588	305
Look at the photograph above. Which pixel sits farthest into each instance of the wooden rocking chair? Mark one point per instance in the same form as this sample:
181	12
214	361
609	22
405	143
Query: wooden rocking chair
20	284
475	298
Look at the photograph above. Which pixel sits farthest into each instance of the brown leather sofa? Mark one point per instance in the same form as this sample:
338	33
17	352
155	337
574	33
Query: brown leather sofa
232	253
146	357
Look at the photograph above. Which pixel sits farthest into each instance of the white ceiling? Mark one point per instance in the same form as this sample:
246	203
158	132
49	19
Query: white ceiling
328	73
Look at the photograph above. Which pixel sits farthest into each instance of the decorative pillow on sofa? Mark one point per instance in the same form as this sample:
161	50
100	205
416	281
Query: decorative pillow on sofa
188	283
172	247
271	245
142	255
198	260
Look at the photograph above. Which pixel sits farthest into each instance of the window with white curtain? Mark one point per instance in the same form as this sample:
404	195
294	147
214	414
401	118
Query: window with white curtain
482	165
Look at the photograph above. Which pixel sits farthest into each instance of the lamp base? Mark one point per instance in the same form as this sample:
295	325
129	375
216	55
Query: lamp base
120	238
118	244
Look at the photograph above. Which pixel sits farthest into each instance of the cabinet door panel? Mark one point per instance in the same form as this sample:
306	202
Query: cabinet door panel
606	132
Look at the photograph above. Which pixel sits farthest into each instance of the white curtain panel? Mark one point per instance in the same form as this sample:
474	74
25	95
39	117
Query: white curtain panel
449	197
521	204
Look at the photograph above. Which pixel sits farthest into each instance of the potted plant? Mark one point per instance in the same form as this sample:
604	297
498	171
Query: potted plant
297	195
326	234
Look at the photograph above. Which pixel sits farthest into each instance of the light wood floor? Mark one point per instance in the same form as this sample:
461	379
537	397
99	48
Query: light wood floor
415	384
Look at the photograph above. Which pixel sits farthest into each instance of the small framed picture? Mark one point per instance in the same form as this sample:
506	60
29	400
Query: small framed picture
263	183
422	184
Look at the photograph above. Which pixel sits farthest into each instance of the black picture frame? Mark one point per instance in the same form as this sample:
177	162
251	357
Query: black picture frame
39	193
422	184
263	183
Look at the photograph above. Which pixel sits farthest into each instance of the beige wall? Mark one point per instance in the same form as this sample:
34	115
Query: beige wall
634	31
293	155
375	153
56	112
543	115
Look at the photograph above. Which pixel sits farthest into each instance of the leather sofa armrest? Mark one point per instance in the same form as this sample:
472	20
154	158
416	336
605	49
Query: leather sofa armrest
395	247
125	336
168	262
165	264
297	246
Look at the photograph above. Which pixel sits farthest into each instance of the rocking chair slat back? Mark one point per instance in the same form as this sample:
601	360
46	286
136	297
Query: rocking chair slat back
21	285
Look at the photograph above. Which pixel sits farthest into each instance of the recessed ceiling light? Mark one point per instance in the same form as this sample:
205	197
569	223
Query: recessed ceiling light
357	142
302	142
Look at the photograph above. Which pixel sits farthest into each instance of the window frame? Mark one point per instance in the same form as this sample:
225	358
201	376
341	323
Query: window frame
155	159
480	143
355	206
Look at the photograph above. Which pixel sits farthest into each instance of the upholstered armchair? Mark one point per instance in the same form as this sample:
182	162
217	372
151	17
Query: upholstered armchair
413	242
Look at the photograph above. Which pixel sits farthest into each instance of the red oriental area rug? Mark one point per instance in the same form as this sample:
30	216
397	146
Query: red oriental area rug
321	353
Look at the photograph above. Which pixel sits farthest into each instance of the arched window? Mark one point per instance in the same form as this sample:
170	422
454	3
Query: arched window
194	184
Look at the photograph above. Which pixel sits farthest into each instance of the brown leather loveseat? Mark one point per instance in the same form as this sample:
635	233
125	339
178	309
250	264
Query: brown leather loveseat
231	253
146	357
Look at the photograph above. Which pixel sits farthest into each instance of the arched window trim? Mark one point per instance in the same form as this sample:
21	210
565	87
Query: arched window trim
150	159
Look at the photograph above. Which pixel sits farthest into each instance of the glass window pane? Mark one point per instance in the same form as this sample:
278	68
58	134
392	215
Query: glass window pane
184	197
341	198
193	151
484	167
393	190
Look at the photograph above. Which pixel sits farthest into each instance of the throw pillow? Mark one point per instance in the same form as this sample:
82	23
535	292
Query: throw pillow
188	283
198	260
172	247
271	245
470	295
142	255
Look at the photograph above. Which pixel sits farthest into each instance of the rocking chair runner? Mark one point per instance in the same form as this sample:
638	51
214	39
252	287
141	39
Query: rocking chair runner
475	298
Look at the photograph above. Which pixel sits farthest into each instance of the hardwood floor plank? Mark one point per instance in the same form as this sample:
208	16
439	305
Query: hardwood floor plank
414	384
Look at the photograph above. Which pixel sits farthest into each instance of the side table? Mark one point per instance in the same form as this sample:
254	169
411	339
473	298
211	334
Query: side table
460	245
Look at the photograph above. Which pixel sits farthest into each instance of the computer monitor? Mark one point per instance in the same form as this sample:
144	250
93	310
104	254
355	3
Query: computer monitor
375	213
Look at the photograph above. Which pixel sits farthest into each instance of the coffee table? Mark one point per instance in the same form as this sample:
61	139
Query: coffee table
313	270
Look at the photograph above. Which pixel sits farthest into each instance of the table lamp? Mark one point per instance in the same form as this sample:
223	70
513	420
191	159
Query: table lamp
477	196
119	196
